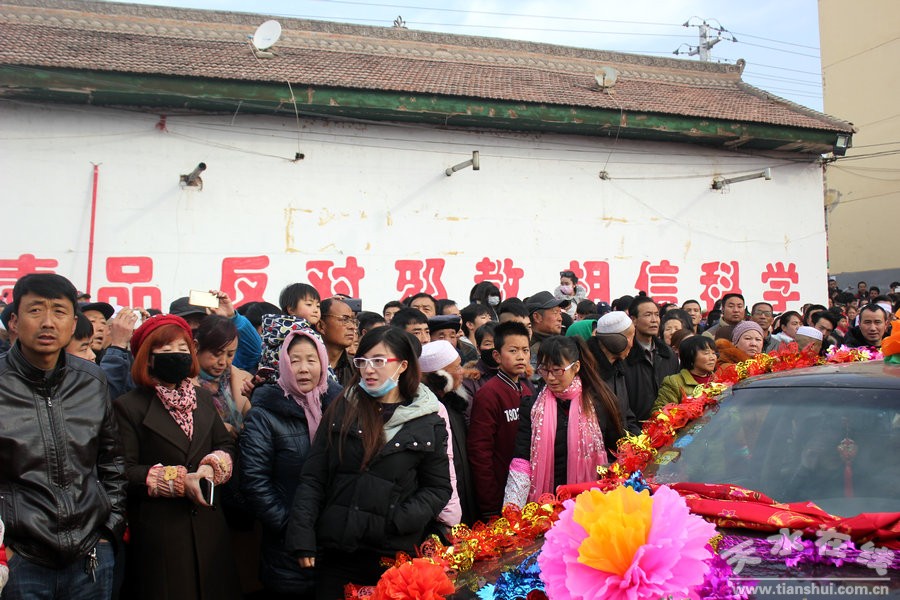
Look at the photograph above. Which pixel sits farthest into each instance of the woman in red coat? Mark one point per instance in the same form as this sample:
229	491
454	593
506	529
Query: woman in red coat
173	439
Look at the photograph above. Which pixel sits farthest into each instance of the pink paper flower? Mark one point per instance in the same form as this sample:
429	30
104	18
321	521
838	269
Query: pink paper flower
671	561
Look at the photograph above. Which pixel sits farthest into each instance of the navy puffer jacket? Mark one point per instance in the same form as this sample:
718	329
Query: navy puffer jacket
274	445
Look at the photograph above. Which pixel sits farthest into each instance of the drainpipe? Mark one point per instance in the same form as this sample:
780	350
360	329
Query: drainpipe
90	265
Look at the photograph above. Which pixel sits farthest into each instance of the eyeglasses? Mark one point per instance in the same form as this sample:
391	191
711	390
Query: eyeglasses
344	319
376	363
765	313
557	372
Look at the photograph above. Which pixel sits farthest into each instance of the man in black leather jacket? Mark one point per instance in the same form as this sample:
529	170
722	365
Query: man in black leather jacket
62	476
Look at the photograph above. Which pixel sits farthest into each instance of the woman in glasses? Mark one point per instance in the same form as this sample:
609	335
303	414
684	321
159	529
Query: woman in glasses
570	429
278	434
378	472
569	289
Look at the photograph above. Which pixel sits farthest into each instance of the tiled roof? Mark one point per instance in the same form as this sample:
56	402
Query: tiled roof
126	38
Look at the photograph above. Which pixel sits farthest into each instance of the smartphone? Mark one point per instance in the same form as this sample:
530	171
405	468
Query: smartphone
203	299
208	490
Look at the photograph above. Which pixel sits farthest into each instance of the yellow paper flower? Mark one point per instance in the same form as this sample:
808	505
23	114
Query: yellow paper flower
617	524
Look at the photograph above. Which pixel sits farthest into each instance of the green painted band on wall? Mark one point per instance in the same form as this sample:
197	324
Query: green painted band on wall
176	93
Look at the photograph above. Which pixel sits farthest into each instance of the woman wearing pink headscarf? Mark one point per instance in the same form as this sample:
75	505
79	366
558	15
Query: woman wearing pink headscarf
277	437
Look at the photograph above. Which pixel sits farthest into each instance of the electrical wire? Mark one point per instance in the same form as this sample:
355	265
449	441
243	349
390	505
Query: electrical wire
869	49
864	156
816	56
495	14
552	17
881	144
851	171
767	39
749	73
851	201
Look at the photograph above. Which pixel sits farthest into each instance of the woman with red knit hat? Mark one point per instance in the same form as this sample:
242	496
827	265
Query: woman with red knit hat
173	440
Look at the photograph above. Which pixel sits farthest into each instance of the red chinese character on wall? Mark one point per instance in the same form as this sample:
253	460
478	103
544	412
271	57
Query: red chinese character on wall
659	281
243	278
330	279
127	271
718	279
780	280
593	275
12	269
420	276
501	272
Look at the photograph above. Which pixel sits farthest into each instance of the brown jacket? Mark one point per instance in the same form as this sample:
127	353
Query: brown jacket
178	550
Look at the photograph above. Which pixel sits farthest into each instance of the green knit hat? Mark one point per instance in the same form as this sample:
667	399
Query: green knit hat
584	329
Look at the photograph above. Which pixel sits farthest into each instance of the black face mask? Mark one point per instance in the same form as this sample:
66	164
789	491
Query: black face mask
171	367
488	357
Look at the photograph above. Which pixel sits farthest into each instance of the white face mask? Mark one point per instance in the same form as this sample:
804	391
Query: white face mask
493	300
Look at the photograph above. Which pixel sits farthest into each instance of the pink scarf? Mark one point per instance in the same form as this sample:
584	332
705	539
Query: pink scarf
310	402
180	402
584	440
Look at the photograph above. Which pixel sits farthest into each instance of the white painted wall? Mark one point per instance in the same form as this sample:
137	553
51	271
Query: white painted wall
378	193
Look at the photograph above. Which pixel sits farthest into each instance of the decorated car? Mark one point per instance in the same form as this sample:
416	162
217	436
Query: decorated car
780	485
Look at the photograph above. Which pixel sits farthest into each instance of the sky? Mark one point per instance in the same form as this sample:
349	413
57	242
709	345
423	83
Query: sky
779	39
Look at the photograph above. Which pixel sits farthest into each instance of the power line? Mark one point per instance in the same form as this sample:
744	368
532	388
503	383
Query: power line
852	171
545	17
803	93
881	144
816	56
496	14
869	49
787	79
863	156
521	28
817	73
842	202
759	37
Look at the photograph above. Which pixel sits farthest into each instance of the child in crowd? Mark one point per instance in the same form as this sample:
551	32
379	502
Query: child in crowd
301	300
485	367
80	344
495	416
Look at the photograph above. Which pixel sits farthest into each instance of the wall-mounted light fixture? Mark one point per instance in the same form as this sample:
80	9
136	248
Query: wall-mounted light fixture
718	182
192	179
473	162
841	144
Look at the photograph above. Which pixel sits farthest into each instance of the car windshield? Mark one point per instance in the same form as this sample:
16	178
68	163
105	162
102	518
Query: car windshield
836	447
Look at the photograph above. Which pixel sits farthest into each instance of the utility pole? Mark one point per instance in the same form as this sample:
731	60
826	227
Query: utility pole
705	42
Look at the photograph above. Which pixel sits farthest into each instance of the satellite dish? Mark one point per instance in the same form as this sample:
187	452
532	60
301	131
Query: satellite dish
267	35
606	77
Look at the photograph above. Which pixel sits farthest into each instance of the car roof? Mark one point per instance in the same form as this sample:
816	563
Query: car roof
872	374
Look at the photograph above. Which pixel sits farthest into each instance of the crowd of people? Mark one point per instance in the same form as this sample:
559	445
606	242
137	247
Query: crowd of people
137	446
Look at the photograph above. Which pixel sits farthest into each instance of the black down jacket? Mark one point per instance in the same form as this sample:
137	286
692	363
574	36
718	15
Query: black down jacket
383	507
274	445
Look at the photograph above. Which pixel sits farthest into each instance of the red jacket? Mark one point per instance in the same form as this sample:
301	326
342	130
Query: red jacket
492	438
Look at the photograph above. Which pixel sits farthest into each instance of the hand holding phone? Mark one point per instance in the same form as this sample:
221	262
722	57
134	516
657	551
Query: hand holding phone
208	490
203	299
